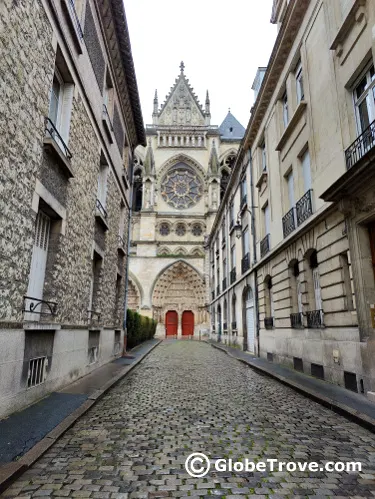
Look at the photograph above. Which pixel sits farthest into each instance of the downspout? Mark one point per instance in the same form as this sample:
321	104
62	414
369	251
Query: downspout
253	230
128	250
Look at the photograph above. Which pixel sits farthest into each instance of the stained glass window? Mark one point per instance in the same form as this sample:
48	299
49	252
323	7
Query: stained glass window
181	188
164	229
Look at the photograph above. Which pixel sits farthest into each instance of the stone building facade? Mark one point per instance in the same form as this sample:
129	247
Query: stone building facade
309	293
70	120
179	178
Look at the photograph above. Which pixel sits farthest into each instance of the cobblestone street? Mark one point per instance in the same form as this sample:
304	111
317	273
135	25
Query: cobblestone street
188	397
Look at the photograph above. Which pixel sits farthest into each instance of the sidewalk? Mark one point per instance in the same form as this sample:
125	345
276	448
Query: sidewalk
350	404
26	435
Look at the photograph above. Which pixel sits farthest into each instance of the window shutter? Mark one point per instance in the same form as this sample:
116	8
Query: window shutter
66	111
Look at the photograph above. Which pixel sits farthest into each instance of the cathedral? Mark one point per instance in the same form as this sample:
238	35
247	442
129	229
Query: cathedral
179	179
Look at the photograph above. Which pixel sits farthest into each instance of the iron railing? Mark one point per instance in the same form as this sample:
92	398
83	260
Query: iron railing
304	208
37	372
101	209
55	135
107	117
245	263
360	146
268	322
224	284
38	306
289	222
75	18
234	326
315	318
265	246
233	276
296	320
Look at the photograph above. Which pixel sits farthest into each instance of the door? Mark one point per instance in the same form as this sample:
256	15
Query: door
187	323
171	323
38	266
250	321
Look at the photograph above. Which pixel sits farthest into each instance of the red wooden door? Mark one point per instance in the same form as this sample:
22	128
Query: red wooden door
187	323
171	323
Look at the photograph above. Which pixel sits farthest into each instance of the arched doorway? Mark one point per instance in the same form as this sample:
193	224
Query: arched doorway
187	323
171	323
248	319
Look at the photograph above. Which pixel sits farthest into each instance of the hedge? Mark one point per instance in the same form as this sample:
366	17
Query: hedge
139	328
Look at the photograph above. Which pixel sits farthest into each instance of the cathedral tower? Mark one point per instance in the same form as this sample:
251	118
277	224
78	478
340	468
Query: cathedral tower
179	178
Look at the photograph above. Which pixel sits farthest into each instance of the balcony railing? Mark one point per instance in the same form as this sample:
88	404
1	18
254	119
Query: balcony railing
360	146
101	209
265	246
38	306
304	207
243	201
268	322
234	326
224	284
296	320
233	276
289	222
315	318
54	134
245	263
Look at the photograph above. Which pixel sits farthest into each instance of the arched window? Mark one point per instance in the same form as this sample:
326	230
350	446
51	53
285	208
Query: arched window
295	295
180	230
223	182
315	313
137	190
164	229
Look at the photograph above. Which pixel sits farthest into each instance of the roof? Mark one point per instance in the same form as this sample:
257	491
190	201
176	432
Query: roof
231	128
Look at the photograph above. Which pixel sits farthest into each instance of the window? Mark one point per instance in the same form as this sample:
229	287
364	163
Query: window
231	215
347	283
118	293
137	191
233	256
60	110
197	230
268	297
266	219
245	241
224	268
180	230
93	347
97	263
164	229
243	189
290	185
102	185
264	156
306	170
299	83
285	109
364	100
122	220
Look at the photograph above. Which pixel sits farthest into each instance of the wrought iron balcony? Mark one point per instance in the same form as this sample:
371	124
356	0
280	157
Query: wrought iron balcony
268	322
121	244
101	209
304	207
234	326
289	222
243	201
233	276
360	146
245	263
37	306
218	290
315	318
224	284
265	246
54	134
296	320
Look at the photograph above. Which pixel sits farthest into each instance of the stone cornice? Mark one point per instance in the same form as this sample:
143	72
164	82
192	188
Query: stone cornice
116	31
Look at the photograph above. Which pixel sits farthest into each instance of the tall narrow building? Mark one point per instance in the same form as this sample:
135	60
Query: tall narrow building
179	179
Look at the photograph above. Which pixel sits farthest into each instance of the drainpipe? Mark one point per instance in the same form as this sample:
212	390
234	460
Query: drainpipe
253	230
128	252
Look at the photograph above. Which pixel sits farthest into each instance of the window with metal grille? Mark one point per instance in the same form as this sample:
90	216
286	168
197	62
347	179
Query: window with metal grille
37	372
298	364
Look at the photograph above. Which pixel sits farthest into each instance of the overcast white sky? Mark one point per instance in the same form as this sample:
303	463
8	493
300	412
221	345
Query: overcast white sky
221	43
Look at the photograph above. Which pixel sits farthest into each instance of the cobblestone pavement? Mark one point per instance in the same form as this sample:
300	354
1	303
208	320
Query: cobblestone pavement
188	397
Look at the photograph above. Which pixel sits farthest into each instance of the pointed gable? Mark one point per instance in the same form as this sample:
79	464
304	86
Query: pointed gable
231	128
181	106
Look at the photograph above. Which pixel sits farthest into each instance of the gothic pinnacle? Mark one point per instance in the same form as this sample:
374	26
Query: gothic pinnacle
182	67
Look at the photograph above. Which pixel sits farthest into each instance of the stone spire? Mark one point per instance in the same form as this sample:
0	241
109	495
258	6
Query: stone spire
207	112
214	160
155	113
182	67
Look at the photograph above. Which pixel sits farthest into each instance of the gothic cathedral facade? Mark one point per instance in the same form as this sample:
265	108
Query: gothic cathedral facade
179	179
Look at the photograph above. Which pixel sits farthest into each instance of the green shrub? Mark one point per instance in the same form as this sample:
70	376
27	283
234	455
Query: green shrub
139	328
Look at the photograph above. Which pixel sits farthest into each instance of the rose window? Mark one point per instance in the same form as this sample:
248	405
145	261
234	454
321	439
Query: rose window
180	230
197	230
181	188
164	229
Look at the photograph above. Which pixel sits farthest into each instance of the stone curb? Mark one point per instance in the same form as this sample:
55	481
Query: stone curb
9	472
352	414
